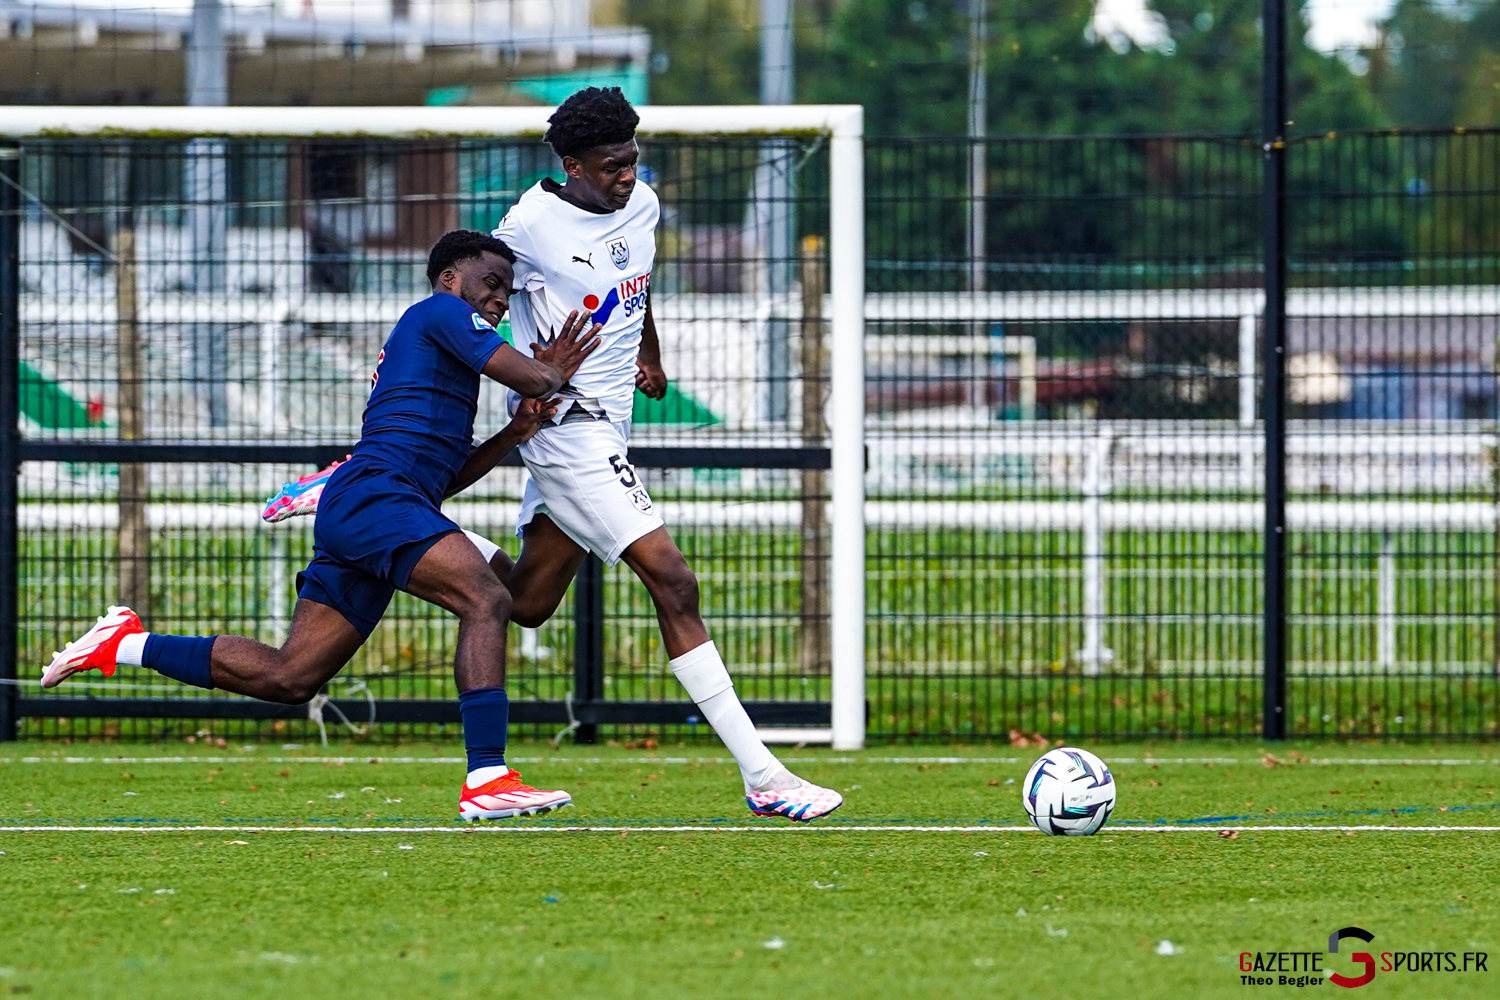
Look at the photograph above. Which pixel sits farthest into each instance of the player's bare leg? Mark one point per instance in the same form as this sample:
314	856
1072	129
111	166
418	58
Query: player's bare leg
318	645
455	576
673	587
539	579
320	642
770	789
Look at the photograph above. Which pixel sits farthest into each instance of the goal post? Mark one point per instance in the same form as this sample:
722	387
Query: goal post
842	128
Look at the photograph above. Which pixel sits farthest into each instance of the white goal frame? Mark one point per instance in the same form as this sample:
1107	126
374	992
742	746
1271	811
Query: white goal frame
842	124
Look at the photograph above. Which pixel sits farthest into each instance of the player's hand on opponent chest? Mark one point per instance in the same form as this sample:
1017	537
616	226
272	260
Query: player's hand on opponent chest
650	379
567	350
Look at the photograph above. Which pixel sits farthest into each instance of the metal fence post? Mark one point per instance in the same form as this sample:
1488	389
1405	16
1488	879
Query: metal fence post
814	568
134	544
588	641
1273	399
10	431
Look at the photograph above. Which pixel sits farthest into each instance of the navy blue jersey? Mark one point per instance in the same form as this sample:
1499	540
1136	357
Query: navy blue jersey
425	390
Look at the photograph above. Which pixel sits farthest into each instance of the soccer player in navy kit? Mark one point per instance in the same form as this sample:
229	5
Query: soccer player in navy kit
380	529
590	241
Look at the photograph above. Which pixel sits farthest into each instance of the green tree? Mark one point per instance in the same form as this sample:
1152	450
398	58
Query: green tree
1213	78
1438	68
1048	74
1419	71
904	60
703	51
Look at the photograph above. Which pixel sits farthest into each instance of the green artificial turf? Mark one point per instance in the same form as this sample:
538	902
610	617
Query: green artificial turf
309	908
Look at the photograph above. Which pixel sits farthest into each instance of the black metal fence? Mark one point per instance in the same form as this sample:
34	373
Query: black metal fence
1064	427
1068	445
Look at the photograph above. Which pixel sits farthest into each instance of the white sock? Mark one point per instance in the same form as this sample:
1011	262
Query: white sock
481	775
702	672
486	547
132	648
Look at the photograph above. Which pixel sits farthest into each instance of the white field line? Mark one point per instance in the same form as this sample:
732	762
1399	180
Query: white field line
251	758
1006	830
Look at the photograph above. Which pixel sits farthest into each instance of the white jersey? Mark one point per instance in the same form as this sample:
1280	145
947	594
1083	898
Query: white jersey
569	257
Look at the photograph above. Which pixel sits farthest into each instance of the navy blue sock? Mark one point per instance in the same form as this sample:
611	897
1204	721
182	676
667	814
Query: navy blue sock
181	657
486	714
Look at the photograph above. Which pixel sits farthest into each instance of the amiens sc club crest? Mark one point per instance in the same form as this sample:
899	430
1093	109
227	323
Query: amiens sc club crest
619	252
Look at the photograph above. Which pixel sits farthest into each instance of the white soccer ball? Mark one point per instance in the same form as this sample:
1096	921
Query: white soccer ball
1069	792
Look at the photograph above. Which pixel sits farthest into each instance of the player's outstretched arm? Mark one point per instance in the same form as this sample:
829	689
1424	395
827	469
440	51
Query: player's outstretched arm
529	418
649	376
545	373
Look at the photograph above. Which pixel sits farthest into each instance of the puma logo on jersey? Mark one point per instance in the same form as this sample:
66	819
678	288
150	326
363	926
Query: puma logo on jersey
589	260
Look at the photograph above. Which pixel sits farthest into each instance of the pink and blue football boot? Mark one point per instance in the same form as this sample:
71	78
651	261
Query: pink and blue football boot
804	803
300	496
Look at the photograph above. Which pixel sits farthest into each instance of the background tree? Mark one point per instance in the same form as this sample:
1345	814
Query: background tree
1419	72
906	61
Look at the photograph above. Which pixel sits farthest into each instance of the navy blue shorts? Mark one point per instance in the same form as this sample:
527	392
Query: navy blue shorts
374	525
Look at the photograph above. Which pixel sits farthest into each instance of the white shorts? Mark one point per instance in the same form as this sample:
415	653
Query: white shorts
580	478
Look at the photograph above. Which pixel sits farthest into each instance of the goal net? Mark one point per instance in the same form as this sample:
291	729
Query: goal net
202	296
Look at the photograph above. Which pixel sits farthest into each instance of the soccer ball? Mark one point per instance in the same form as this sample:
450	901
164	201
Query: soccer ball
1069	792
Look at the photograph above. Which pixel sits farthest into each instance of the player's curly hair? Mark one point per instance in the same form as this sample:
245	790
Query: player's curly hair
595	116
463	244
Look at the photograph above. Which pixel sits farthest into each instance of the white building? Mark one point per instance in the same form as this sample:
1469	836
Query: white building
327	52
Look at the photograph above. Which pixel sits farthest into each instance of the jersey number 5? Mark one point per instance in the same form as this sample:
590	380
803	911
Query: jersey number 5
624	471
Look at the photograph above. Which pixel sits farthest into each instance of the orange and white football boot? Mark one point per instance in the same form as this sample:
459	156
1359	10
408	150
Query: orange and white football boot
95	649
505	797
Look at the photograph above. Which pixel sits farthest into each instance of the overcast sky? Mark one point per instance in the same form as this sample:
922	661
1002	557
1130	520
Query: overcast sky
1335	24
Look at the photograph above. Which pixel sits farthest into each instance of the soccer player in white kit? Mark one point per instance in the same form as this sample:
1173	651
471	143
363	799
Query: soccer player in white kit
589	243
